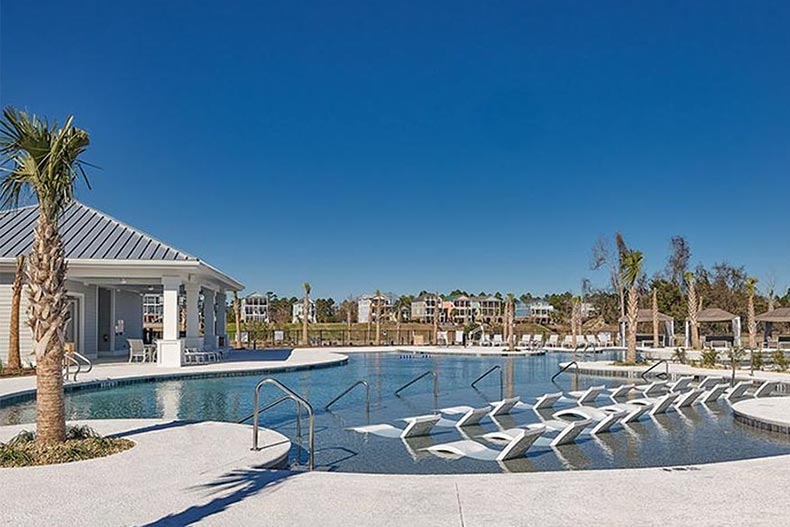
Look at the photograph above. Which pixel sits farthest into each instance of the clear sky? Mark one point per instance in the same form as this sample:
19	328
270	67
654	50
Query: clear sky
423	145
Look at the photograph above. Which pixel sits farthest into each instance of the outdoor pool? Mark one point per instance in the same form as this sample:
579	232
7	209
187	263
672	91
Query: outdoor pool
698	434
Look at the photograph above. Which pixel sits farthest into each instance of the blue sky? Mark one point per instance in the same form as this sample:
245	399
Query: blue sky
414	145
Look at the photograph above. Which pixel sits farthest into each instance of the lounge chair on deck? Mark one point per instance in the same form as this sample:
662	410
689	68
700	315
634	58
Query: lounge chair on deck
525	341
554	341
485	340
567	341
537	341
136	350
498	340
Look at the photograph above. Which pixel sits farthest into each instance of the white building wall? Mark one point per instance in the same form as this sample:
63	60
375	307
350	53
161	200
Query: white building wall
90	342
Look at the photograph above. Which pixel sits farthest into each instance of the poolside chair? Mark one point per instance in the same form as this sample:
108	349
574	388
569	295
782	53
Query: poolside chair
738	391
553	341
714	393
766	389
498	341
567	341
689	398
136	350
621	391
587	396
485	340
653	389
537	341
525	341
605	339
419	426
441	339
504	406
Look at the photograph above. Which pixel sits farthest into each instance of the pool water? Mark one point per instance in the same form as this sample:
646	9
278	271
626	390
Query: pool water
700	434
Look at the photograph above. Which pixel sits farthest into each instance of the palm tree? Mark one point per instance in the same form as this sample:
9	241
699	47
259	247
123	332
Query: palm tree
403	302
305	312
237	317
693	310
632	268
44	161
751	282
509	322
576	319
377	299
436	313
14	358
655	318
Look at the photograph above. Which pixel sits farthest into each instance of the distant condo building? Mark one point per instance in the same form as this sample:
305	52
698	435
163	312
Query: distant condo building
297	311
255	308
368	306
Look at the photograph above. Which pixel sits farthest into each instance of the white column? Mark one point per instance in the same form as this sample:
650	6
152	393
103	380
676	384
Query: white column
193	339
170	348
222	324
209	338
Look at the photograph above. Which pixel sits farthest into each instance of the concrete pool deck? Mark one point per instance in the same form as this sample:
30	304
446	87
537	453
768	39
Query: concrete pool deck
184	474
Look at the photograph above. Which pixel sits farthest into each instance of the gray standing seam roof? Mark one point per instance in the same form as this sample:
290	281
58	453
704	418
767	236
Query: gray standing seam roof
87	234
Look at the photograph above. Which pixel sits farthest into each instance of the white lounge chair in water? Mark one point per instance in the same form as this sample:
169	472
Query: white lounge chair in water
680	385
634	409
689	398
766	389
620	391
710	382
714	393
587	396
420	425
504	406
655	405
472	417
604	421
653	389
517	445
569	432
738	391
547	400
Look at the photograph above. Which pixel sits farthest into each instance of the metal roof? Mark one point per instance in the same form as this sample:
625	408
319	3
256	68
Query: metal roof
87	234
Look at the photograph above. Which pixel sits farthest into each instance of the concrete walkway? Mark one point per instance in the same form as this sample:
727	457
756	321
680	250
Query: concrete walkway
204	473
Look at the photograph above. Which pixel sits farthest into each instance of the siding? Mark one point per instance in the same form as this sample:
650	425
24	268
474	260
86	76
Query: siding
129	308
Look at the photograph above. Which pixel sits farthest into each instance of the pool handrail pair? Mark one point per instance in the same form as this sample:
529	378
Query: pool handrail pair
300	402
419	377
489	371
73	358
562	369
360	382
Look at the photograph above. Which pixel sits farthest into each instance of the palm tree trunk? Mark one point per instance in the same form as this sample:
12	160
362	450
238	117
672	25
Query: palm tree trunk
48	317
752	323
693	309
14	358
655	319
633	309
305	312
237	311
378	323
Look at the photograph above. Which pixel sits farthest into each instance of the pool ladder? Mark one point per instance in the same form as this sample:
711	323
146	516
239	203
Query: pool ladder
290	395
73	358
347	390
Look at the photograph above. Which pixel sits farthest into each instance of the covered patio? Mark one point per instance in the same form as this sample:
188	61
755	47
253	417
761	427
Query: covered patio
645	316
713	315
112	267
779	315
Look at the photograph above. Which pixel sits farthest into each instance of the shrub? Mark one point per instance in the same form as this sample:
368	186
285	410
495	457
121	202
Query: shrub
757	360
780	362
81	443
679	355
709	358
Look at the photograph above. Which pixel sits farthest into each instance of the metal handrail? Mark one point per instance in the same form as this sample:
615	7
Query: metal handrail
666	374
269	407
74	358
300	401
571	363
344	392
435	382
489	371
